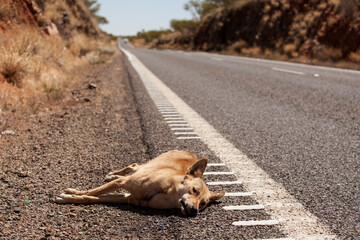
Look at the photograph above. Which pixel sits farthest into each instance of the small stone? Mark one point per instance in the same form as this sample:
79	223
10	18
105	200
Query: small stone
71	214
8	132
87	100
23	174
17	210
92	86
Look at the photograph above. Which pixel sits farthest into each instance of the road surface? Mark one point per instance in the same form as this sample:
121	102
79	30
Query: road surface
299	124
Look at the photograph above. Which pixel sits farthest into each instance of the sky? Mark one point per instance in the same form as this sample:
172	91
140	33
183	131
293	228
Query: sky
127	17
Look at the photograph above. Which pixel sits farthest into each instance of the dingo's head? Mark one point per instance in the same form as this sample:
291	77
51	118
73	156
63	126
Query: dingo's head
196	195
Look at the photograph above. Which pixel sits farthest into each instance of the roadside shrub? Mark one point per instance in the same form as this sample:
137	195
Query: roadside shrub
184	25
12	68
149	36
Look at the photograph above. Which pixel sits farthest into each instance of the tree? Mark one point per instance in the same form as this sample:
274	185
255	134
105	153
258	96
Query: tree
195	8
94	7
199	8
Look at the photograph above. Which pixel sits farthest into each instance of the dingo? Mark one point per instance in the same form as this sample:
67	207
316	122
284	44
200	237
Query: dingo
172	180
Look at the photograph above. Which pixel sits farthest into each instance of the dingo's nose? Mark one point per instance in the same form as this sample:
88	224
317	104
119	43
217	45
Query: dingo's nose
193	211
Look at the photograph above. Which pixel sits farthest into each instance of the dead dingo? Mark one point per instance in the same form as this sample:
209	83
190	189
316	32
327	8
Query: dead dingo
172	180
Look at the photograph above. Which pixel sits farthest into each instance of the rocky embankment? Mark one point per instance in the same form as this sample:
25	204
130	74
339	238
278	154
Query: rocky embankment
326	30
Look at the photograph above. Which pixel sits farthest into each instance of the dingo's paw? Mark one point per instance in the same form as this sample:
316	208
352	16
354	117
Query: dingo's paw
73	191
111	177
64	198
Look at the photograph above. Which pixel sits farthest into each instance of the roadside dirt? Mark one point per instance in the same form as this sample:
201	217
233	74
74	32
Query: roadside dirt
73	147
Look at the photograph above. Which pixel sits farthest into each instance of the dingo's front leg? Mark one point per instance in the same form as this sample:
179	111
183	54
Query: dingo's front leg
84	199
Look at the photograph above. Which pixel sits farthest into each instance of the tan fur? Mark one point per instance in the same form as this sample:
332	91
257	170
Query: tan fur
172	180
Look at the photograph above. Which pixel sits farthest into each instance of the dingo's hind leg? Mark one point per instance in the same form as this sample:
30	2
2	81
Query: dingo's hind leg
122	172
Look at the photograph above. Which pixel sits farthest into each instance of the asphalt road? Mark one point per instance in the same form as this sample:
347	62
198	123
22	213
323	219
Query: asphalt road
299	123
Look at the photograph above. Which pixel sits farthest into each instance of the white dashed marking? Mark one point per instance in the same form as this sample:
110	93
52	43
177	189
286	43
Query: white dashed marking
168	112
288	71
216	164
239	194
170	115
176	121
256	223
216	59
244	207
188	138
275	239
225	183
181	129
185	133
218	173
179	125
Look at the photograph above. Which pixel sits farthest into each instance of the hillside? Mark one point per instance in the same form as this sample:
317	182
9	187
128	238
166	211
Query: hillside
316	30
44	47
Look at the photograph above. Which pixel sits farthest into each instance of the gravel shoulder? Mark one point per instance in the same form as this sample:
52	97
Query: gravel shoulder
75	146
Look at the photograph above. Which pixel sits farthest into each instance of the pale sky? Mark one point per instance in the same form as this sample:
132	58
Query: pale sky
127	17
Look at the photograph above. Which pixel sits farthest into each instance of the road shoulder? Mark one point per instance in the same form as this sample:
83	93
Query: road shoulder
75	146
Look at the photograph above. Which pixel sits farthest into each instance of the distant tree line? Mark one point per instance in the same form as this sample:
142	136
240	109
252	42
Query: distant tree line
197	8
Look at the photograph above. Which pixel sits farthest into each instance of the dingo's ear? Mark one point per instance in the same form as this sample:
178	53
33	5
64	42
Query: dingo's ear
198	168
216	196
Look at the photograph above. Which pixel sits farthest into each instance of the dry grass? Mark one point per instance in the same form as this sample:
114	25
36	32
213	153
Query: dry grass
36	70
355	56
79	45
238	46
290	50
252	51
39	71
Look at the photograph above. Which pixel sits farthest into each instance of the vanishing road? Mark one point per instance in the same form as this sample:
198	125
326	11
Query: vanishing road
300	124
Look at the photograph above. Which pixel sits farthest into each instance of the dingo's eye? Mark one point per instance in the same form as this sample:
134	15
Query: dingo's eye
195	191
